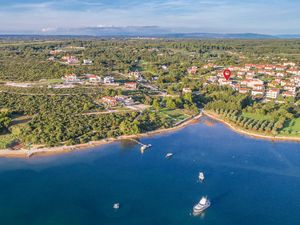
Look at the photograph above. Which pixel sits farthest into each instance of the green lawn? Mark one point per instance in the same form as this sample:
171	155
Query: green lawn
176	115
53	81
256	116
293	128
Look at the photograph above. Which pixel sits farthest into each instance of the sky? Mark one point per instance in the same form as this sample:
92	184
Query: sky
222	16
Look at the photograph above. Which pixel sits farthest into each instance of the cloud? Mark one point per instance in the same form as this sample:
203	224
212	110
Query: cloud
270	16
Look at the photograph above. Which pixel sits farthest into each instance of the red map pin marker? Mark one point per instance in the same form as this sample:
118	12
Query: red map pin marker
227	74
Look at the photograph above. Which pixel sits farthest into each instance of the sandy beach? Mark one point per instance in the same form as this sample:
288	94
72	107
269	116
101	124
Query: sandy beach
26	153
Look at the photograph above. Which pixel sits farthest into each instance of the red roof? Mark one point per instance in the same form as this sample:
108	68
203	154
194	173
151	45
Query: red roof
71	75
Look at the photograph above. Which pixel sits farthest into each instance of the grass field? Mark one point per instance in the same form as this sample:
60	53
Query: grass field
293	128
176	115
256	116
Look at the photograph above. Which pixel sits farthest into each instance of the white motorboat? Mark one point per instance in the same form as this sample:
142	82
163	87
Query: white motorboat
116	206
201	176
203	204
169	155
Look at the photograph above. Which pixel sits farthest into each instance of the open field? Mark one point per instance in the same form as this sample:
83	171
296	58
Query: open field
256	116
176	115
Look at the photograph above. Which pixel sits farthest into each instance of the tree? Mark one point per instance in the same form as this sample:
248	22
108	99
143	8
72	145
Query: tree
170	103
5	120
156	104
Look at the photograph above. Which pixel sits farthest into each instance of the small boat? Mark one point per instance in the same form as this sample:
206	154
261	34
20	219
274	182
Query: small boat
144	147
201	176
169	155
203	204
116	206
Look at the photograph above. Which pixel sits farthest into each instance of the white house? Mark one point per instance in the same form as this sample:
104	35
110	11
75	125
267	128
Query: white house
257	93
93	78
71	78
272	93
108	80
87	62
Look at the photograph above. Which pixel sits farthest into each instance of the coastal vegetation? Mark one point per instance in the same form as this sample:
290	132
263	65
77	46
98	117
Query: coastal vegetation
5	120
39	108
269	118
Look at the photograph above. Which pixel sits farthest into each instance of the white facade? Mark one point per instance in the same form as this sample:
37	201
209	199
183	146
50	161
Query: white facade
272	93
108	80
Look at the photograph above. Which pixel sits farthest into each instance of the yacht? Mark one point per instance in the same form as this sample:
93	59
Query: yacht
201	176
169	155
116	206
203	204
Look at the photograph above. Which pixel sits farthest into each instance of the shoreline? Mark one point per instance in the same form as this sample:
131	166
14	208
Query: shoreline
25	153
249	133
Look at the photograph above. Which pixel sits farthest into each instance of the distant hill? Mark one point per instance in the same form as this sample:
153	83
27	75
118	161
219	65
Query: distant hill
288	36
114	31
143	32
222	36
152	31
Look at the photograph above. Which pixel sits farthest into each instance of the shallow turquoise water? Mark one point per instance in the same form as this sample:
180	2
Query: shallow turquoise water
249	182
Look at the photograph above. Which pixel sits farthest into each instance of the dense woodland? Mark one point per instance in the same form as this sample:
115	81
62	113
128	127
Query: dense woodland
59	116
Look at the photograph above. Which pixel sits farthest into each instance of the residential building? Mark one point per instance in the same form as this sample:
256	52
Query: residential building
292	64
186	90
293	71
281	74
259	87
280	68
55	52
71	78
289	94
92	78
109	101
70	59
164	67
87	62
250	66
131	85
223	82
257	93
108	80
272	93
135	74
244	90
252	82
290	88
209	65
260	67
212	79
125	100
192	70
269	67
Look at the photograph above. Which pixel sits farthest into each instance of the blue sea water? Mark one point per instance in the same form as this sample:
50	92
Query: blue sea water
249	182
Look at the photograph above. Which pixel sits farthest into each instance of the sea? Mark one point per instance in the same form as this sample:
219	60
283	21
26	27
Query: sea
248	181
